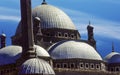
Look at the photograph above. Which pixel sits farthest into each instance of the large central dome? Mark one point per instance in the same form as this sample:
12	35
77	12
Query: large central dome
52	17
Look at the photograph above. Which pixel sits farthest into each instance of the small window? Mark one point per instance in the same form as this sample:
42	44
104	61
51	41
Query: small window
92	66
58	66
117	69
81	65
66	35
112	69
59	34
72	65
86	65
97	66
65	65
72	36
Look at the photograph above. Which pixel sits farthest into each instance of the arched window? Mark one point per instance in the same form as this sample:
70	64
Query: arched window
72	65
58	65
92	66
86	65
117	69
72	36
59	34
65	65
97	66
66	35
81	65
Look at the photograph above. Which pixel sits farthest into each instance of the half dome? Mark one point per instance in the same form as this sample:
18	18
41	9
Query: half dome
109	56
73	49
36	66
114	59
10	54
41	51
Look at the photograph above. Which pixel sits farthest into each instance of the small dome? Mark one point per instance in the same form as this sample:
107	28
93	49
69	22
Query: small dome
10	54
41	51
4	35
36	66
73	49
114	59
108	57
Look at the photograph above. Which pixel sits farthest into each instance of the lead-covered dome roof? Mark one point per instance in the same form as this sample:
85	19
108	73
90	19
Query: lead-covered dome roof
41	51
10	54
114	59
73	49
52	17
110	55
36	66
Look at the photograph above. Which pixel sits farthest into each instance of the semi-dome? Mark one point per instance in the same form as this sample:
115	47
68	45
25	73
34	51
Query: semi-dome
73	49
10	54
52	17
41	51
36	66
109	56
114	59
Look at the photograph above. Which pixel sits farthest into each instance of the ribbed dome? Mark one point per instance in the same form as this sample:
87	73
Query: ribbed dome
52	17
115	59
109	56
10	54
73	49
36	66
41	51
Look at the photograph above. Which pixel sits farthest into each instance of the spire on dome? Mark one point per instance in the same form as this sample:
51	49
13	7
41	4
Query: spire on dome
113	47
44	2
89	22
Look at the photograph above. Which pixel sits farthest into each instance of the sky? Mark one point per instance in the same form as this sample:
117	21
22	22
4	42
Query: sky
103	14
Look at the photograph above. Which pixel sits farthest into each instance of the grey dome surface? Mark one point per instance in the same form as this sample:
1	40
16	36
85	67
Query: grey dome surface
4	35
36	66
52	17
114	59
73	49
109	56
41	51
10	54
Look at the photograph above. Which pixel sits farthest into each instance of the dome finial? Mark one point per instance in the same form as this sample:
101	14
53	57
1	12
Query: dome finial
113	47
89	22
44	2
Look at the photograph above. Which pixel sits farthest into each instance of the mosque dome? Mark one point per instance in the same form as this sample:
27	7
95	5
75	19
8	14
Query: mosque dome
109	56
52	17
41	51
10	54
73	49
36	66
114	59
4	35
